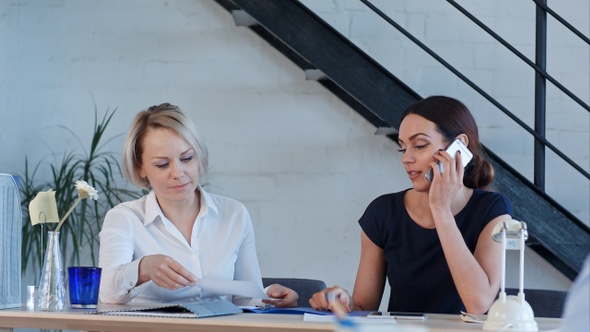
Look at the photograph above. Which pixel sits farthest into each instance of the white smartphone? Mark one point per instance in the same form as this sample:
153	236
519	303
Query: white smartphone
457	145
396	315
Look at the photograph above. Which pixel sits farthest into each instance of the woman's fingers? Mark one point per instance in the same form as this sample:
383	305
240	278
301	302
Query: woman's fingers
166	272
320	300
282	296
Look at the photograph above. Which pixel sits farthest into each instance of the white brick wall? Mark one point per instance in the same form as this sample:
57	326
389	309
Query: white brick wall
304	164
496	70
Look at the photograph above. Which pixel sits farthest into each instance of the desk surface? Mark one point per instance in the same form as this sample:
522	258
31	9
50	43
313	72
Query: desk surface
72	320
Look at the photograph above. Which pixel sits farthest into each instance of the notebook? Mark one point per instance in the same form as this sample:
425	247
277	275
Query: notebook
209	308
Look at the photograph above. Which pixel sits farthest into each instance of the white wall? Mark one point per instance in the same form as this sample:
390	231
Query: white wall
304	163
498	72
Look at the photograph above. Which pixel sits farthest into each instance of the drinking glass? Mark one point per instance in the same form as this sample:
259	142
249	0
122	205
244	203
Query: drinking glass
84	286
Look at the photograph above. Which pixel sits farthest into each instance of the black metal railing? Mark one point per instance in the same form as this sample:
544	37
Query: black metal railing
540	96
542	4
542	76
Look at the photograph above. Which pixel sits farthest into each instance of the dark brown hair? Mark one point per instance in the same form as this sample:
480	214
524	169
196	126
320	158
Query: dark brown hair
452	118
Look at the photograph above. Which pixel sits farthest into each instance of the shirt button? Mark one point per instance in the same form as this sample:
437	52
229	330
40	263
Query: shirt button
194	257
131	283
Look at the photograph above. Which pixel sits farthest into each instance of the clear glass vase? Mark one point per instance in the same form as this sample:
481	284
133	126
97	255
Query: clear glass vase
52	288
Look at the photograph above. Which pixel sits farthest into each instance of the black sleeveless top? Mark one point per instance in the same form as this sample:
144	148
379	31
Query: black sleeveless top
416	269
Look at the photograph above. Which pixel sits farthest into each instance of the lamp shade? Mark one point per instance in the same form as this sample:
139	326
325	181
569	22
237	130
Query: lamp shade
513	229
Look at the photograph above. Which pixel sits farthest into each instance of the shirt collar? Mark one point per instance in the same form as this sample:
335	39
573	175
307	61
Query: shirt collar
207	203
153	210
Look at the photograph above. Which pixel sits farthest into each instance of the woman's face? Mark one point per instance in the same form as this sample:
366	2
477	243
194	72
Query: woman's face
419	141
170	165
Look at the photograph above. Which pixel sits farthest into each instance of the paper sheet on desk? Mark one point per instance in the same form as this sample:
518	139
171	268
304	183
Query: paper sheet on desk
362	319
233	287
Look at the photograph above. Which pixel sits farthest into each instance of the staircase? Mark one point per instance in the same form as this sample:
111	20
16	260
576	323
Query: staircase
380	97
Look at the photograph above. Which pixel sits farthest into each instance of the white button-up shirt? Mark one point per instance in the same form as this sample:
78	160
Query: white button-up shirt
222	247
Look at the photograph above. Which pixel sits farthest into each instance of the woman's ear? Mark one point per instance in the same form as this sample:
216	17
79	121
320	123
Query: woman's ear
140	172
463	138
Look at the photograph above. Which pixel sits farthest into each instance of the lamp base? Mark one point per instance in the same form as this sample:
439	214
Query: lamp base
510	315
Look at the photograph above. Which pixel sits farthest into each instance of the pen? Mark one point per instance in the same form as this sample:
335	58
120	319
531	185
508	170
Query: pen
338	309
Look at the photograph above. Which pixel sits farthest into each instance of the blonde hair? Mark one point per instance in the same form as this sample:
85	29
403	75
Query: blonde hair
160	116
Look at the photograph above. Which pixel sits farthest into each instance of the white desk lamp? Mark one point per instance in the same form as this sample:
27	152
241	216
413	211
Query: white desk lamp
511	313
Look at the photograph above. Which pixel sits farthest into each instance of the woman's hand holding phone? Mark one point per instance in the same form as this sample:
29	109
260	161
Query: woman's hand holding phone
457	145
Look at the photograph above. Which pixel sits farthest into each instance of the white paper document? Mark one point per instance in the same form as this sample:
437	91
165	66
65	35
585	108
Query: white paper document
232	287
307	317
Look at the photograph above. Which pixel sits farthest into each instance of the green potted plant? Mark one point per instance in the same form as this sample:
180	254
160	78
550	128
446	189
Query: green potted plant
79	235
